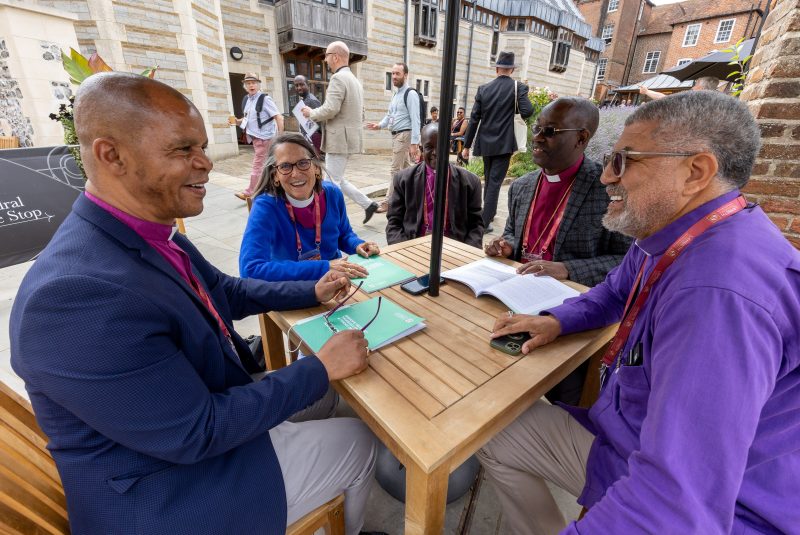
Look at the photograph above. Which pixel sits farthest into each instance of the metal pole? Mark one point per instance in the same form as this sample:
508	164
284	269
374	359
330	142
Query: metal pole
442	153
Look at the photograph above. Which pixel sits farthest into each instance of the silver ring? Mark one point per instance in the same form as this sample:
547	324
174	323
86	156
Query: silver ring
541	268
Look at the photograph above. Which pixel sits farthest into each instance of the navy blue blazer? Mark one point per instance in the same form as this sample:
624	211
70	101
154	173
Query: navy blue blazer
154	424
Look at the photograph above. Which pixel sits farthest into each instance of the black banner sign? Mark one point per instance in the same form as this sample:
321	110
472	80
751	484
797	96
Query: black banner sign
37	188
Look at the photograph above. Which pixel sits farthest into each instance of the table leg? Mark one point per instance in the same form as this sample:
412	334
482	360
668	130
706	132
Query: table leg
426	498
272	339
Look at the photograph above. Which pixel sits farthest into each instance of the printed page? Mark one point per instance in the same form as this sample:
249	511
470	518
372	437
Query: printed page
307	125
528	294
481	274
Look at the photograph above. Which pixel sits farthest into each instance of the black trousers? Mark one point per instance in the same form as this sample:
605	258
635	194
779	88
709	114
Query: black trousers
494	172
570	389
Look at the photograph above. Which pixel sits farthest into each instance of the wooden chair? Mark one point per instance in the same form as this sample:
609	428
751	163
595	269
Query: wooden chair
32	498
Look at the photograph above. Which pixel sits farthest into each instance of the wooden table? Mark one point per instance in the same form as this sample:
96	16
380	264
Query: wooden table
438	395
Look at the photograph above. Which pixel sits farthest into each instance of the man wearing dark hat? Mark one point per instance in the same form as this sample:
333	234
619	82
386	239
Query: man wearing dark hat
261	122
494	110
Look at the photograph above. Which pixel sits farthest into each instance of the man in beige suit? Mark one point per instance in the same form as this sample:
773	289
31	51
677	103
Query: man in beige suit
342	113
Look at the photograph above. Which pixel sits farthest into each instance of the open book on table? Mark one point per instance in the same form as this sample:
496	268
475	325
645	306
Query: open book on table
524	294
391	323
382	273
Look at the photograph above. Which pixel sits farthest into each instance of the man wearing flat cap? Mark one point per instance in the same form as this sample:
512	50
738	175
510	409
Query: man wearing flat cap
494	111
261	122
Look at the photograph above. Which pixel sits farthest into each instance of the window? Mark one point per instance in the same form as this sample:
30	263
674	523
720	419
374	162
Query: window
608	33
691	35
344	4
495	40
332	3
419	86
651	62
358	6
425	90
724	31
613	5
515	25
684	61
559	57
601	69
388	86
426	19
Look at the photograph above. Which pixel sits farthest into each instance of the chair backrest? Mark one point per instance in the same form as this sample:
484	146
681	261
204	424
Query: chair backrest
31	496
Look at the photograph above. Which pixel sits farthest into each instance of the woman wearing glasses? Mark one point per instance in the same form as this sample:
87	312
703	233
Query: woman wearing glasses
298	225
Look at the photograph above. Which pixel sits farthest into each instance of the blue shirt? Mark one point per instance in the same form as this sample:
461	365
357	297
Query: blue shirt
269	246
704	436
268	109
401	118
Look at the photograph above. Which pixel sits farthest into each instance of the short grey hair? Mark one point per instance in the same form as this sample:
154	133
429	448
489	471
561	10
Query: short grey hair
706	121
708	83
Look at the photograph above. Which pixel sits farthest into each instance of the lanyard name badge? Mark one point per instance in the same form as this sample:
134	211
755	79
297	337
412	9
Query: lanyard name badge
558	215
313	254
637	298
428	223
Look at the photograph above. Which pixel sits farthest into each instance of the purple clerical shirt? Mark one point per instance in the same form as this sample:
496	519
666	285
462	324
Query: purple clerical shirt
704	436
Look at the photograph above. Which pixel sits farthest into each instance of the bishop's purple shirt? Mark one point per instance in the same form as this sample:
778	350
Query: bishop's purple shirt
704	437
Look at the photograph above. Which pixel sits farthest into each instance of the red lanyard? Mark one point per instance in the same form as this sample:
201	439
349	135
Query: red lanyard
317	225
446	201
631	312
558	214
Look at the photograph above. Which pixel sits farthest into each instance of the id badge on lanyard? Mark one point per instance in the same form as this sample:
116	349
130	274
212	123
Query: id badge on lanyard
313	254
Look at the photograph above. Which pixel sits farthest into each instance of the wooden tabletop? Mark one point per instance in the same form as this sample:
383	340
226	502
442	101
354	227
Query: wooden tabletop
438	395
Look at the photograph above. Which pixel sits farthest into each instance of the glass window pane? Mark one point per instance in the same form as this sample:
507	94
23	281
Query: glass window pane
345	4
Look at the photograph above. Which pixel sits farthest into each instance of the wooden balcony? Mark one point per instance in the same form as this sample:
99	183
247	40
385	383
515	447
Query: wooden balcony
306	26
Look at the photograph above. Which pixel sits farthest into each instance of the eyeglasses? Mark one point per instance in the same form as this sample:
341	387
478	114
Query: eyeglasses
551	131
285	168
328	314
618	158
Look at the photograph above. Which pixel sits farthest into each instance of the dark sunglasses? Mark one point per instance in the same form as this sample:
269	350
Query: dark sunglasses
285	168
551	131
618	158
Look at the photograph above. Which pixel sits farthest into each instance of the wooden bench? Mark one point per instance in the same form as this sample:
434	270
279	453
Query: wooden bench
32	498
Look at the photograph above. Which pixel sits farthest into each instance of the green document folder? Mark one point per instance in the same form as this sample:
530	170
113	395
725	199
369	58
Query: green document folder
382	273
393	322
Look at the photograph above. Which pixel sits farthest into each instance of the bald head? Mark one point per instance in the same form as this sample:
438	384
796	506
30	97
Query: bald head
578	112
121	106
339	47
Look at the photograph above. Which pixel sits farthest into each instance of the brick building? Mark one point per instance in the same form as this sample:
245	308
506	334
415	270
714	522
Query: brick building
643	39
204	47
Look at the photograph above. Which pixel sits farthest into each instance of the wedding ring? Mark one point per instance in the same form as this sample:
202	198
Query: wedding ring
541	268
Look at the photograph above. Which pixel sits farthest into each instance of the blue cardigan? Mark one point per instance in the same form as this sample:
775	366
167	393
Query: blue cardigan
269	249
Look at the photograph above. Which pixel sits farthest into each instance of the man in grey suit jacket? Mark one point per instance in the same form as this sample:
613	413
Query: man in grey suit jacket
565	235
342	113
494	112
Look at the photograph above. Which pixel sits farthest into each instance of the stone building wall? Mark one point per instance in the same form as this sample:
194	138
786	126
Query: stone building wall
773	94
33	83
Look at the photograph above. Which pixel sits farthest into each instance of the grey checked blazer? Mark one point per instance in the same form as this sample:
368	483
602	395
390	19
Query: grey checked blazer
588	249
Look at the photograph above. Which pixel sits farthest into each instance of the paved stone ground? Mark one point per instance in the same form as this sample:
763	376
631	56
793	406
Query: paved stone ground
217	232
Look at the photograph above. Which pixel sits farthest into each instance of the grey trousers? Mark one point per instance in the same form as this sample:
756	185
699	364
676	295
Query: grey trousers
544	443
320	459
336	165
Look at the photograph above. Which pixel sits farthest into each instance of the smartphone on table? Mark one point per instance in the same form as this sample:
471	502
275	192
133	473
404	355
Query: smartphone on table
419	285
511	344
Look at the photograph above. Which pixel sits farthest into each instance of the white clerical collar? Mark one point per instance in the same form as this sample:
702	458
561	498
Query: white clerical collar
298	203
551	178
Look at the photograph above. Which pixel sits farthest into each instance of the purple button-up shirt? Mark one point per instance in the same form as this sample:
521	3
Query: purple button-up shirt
704	436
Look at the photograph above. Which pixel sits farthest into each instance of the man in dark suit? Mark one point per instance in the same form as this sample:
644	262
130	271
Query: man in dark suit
124	336
494	111
410	212
555	214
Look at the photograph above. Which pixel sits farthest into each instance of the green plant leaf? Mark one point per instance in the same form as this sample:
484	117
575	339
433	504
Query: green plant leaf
745	60
151	72
734	62
734	73
76	66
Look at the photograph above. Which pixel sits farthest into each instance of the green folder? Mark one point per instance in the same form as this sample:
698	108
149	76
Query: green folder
392	323
382	273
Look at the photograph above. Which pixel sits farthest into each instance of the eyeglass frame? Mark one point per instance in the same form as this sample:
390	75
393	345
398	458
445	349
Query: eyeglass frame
293	165
327	315
555	130
608	158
